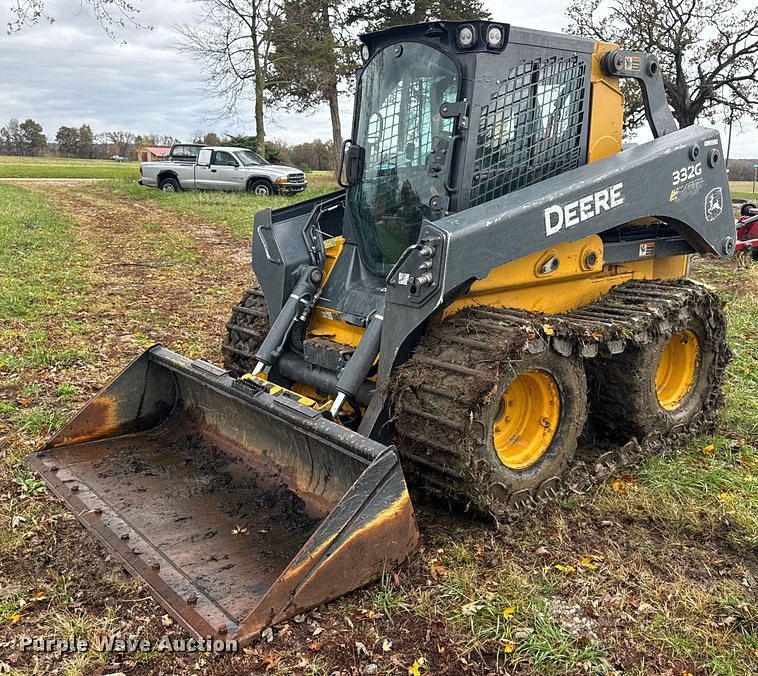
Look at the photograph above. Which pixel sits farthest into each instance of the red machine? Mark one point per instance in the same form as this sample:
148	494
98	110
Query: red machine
747	231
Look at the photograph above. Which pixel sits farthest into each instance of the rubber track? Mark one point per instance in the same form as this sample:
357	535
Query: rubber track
468	351
245	332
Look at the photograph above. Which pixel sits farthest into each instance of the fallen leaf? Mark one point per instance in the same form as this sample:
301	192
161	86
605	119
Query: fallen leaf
589	561
708	449
14	618
509	646
416	667
548	329
166	621
472	608
725	497
315	646
436	569
564	569
509	612
386	645
622	485
361	649
267	634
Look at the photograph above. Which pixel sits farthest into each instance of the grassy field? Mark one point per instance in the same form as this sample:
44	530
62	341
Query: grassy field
743	190
653	572
64	167
232	211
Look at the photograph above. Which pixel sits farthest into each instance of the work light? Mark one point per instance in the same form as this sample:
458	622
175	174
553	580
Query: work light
494	36
466	36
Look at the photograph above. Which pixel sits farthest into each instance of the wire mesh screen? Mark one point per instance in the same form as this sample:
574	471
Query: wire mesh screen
531	129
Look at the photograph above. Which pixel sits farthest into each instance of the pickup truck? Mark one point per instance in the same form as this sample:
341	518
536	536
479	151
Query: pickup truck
223	168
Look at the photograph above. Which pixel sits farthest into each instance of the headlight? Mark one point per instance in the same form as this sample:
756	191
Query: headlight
494	36
282	179
365	53
466	36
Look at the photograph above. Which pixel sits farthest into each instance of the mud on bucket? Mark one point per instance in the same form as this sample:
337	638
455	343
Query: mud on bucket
237	504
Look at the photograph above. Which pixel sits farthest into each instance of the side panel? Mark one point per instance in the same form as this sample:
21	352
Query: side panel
580	278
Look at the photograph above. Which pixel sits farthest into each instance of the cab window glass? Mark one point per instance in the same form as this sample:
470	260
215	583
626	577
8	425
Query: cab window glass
224	159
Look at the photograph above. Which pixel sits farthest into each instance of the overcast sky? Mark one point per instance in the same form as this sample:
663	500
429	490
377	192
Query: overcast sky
70	72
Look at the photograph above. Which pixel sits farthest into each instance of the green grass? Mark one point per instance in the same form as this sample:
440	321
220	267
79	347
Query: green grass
232	211
64	167
743	190
712	483
41	284
741	389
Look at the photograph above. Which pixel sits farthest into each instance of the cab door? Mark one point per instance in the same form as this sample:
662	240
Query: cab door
226	171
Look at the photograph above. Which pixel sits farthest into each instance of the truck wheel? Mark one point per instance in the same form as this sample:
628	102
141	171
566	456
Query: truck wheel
261	187
170	184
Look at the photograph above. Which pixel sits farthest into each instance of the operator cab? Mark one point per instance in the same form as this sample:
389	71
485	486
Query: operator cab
448	115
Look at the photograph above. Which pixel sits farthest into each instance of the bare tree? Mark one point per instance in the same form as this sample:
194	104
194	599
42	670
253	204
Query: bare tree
708	51
232	43
122	141
111	14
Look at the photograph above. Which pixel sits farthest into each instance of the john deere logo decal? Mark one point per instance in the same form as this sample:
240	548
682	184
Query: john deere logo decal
714	204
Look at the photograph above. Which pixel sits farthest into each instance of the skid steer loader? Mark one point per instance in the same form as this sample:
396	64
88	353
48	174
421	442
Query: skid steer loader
494	269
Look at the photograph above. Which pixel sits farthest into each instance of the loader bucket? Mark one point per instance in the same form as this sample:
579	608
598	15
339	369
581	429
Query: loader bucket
238	505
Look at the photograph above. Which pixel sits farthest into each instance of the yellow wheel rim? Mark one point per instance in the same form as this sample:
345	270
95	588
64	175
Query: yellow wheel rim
527	419
676	369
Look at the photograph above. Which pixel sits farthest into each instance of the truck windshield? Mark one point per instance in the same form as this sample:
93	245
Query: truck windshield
249	158
399	125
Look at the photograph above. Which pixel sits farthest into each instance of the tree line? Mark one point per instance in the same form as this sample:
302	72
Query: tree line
316	155
27	138
304	54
